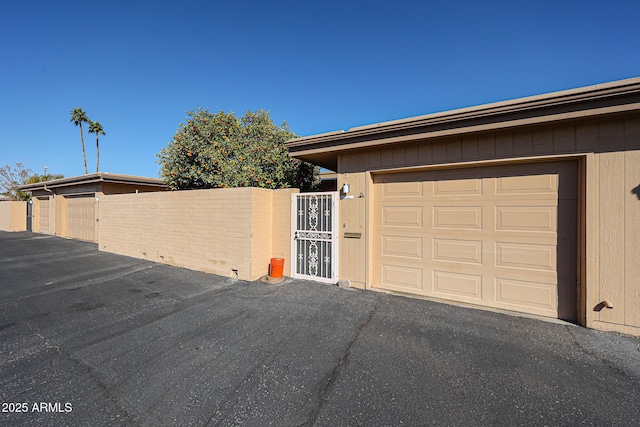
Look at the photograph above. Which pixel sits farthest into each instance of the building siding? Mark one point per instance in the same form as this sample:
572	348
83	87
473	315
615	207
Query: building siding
610	150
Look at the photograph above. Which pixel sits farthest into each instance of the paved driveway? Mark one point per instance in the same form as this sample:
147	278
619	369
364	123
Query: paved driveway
90	338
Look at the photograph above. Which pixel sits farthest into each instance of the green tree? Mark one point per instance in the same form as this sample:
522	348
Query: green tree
77	118
33	179
96	127
222	150
11	178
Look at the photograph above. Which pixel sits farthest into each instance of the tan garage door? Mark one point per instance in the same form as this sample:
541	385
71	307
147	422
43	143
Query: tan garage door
81	217
44	212
502	236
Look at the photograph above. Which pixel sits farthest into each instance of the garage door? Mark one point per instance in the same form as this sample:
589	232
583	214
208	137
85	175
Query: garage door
81	217
502	236
43	211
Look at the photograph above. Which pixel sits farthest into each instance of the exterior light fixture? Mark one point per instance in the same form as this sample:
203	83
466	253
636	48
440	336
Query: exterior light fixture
345	191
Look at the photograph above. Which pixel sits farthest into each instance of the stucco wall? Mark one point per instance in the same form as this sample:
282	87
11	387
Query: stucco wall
221	231
609	154
13	216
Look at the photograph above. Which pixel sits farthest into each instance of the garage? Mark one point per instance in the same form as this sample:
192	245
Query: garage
530	205
44	208
81	217
501	237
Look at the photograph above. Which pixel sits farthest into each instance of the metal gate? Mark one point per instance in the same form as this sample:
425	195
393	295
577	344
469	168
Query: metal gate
314	229
30	215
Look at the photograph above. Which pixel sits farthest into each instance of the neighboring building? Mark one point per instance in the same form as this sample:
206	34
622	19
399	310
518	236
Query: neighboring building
530	205
70	207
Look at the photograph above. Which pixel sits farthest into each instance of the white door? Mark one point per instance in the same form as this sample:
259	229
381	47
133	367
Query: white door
314	226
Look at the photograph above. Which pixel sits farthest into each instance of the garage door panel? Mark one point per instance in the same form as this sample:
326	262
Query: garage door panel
457	217
527	185
492	236
537	276
402	216
471	186
526	256
520	295
526	218
402	278
402	189
457	251
402	247
447	284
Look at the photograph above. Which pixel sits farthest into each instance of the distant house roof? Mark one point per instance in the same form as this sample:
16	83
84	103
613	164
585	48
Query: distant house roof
103	177
589	102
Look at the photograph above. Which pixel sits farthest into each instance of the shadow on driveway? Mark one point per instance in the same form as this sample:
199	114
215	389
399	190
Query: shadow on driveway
91	338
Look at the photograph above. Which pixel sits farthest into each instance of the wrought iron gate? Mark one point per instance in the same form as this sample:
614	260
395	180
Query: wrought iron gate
30	215
314	224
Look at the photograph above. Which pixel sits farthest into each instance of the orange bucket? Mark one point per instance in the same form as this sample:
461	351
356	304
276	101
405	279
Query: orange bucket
276	267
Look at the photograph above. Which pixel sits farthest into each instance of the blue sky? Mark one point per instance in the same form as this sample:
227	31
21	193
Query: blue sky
138	66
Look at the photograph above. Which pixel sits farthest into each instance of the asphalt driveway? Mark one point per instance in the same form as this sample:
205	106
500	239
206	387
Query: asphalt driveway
91	338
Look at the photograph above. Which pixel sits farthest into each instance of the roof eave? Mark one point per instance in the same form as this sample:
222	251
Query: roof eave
589	101
92	179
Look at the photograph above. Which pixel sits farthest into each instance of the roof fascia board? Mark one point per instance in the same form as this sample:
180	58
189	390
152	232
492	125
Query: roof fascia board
64	182
129	180
471	129
92	179
569	99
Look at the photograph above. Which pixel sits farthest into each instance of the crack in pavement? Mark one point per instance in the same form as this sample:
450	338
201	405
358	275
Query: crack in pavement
615	367
106	390
82	367
329	380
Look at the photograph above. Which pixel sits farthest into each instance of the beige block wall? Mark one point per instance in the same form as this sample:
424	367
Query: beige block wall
13	216
5	216
220	231
260	220
281	226
609	154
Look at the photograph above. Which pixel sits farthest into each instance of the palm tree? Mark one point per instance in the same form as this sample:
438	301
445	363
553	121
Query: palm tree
96	127
77	118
